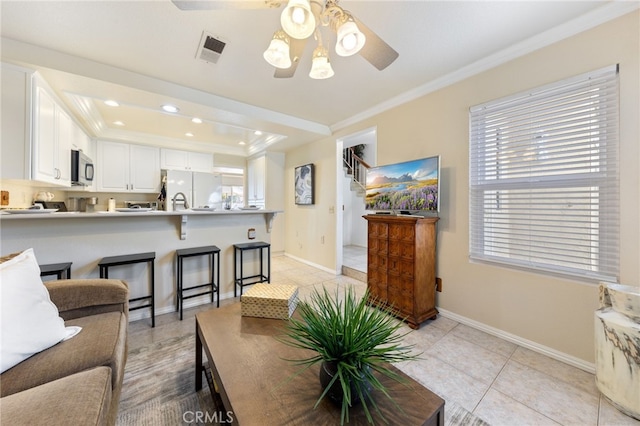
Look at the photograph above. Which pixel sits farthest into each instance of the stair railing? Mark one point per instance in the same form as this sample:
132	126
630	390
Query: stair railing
356	166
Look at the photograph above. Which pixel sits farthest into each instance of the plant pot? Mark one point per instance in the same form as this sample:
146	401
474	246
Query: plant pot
330	369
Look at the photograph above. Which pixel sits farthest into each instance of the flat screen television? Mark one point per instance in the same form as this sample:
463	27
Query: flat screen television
409	187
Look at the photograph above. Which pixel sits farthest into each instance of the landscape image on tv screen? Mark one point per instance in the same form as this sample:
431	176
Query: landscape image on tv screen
408	186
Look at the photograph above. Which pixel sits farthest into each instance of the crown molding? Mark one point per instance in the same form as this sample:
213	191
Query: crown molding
570	28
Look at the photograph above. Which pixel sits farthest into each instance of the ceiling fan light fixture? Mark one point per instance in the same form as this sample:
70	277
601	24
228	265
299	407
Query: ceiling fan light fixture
297	19
320	66
350	39
277	54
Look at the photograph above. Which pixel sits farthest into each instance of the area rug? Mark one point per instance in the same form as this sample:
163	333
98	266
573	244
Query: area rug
159	390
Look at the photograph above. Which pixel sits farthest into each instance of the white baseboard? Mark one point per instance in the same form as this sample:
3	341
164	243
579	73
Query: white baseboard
536	347
191	303
315	265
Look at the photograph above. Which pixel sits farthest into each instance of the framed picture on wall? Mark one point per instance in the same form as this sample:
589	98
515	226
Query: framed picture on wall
304	176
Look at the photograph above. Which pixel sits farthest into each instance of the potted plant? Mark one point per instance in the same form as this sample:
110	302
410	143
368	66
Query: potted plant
352	341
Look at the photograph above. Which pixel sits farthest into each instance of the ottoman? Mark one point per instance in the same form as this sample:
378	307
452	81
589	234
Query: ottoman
270	301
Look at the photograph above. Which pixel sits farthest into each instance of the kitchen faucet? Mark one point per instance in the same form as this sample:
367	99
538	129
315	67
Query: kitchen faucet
184	199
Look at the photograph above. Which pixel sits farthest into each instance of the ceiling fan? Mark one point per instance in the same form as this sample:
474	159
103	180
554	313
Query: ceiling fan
300	20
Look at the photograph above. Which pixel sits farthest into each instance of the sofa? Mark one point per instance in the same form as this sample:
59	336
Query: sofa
75	381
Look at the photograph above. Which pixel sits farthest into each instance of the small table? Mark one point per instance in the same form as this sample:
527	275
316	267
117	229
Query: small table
248	366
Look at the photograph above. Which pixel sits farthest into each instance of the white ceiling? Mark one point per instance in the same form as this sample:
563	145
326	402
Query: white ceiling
143	54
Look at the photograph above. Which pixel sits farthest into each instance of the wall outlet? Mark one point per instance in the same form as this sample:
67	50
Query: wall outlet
4	199
251	233
439	284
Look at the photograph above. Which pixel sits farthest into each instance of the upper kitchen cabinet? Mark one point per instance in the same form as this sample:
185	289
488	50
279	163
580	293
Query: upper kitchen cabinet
52	133
37	132
123	167
16	122
173	159
265	180
256	181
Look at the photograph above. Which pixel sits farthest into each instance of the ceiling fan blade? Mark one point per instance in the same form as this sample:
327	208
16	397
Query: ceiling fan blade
226	4
296	48
376	50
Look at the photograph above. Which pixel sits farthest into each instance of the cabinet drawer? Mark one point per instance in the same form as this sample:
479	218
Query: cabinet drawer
399	299
376	261
400	294
401	267
378	230
377	284
377	277
402	232
401	249
377	245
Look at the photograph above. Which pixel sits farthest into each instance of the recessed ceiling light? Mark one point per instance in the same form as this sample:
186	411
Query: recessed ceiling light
241	143
111	102
118	123
170	108
189	134
257	133
197	120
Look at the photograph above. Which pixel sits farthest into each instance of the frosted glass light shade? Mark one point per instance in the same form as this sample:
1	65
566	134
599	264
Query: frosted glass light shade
277	54
320	67
350	39
297	20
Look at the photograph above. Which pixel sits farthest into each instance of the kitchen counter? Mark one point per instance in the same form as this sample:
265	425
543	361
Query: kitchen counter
85	238
268	214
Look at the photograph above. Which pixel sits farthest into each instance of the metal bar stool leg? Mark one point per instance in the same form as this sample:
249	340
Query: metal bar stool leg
218	279
153	294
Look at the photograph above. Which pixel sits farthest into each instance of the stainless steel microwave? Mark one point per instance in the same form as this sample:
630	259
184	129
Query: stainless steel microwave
82	170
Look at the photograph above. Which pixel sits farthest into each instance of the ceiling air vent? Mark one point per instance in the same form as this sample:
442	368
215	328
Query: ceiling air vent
210	48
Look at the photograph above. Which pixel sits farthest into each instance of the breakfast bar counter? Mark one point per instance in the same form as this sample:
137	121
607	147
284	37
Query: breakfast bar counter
85	238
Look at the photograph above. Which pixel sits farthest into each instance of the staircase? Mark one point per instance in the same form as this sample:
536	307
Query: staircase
355	167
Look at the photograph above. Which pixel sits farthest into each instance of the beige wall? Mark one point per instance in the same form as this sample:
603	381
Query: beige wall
550	312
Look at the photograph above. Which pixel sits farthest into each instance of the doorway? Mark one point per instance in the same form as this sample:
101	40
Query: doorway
351	228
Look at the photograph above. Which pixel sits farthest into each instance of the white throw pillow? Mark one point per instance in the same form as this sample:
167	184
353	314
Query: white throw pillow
30	321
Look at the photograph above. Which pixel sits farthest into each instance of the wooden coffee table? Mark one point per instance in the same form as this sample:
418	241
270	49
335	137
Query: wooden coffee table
253	378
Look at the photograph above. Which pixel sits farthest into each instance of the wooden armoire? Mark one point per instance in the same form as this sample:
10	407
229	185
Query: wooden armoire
401	265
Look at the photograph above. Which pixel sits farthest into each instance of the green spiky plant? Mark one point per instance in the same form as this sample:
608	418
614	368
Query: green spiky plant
358	339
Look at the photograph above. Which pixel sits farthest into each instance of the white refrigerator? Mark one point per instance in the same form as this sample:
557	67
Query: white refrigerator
200	189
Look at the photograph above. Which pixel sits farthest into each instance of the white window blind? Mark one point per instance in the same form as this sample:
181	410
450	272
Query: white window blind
544	185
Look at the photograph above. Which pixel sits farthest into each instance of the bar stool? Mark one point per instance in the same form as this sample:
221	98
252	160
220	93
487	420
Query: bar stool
239	280
129	259
57	269
213	252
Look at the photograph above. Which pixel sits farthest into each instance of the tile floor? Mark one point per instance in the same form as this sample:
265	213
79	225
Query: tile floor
355	257
496	380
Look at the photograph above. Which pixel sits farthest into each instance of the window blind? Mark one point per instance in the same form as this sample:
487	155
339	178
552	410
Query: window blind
544	179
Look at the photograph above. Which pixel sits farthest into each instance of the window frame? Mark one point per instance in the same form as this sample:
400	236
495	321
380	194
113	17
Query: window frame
558	173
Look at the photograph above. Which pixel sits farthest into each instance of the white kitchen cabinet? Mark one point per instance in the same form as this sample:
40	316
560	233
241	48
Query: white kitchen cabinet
256	181
16	122
80	140
265	181
123	167
51	140
174	159
16	99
